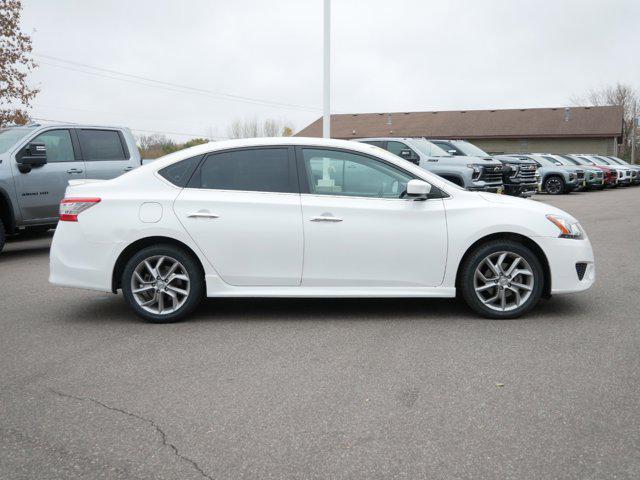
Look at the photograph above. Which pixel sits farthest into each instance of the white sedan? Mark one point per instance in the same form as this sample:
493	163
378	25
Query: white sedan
307	217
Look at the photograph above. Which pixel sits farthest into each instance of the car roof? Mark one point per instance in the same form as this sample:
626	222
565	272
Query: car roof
68	125
388	138
211	147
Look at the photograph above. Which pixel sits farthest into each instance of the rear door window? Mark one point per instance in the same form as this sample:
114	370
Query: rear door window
100	145
254	170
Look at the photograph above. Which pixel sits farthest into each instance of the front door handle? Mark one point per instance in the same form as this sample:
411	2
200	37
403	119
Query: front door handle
74	170
326	218
128	169
202	215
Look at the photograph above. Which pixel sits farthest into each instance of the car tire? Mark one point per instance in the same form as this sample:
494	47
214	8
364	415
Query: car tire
174	293
554	185
483	301
3	236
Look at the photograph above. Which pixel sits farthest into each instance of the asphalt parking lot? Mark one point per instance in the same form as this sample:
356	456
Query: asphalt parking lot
326	388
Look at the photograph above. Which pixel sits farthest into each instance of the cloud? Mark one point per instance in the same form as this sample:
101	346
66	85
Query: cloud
386	56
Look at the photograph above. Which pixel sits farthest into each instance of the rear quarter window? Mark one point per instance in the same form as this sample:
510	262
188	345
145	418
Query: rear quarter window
180	172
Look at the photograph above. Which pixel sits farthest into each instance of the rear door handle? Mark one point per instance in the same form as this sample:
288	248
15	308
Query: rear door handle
202	215
326	218
128	169
74	170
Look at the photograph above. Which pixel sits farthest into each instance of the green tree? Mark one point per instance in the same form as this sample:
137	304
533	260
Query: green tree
15	64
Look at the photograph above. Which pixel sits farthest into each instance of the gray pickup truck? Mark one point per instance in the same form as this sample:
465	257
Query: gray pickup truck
37	162
470	172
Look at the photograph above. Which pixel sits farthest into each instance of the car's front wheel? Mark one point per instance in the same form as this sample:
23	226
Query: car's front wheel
554	185
163	283
502	279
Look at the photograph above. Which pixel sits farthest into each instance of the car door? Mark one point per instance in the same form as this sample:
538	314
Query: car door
359	231
242	208
105	153
40	190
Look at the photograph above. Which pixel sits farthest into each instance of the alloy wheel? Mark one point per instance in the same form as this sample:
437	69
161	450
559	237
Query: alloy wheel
553	186
503	281
160	284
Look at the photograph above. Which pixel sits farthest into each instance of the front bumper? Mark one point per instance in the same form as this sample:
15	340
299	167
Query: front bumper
574	184
486	187
521	189
563	254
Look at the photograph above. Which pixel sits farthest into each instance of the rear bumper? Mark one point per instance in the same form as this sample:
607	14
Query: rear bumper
563	255
81	260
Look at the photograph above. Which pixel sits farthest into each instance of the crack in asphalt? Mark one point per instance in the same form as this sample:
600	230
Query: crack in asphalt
163	435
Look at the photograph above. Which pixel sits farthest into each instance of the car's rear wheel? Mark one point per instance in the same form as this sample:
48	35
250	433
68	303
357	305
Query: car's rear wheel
162	283
502	279
554	185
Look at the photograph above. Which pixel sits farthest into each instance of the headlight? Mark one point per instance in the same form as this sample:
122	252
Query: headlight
566	227
572	176
477	170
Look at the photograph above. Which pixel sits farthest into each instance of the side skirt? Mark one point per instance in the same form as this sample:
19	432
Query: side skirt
217	288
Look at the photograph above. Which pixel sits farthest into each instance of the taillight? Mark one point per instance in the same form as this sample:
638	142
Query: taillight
70	208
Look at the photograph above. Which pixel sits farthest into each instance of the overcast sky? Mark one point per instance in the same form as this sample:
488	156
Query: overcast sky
401	55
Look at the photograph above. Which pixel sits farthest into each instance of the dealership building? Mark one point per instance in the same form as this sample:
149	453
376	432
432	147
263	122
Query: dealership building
595	130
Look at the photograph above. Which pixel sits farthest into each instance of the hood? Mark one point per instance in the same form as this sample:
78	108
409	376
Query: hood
531	205
517	161
465	160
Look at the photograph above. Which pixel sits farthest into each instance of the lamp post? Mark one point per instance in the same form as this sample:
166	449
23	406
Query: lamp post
326	83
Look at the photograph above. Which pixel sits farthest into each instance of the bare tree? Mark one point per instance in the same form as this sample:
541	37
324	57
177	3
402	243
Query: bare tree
271	127
251	129
235	129
620	95
15	64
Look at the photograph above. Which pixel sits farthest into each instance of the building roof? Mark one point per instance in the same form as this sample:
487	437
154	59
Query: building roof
513	123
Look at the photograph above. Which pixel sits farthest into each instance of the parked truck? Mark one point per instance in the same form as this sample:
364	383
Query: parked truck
469	172
38	161
519	175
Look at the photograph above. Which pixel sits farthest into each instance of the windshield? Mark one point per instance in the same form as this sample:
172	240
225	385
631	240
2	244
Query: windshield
10	136
572	161
470	149
617	160
547	160
585	161
430	148
554	160
600	161
448	147
562	160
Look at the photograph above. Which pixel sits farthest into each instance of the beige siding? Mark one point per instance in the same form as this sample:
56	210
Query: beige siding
603	146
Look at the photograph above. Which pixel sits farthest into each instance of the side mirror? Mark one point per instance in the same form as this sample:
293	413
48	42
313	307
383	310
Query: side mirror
33	155
418	189
408	154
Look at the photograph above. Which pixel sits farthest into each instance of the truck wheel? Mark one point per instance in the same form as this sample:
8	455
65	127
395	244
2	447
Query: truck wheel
163	283
2	236
554	185
501	279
